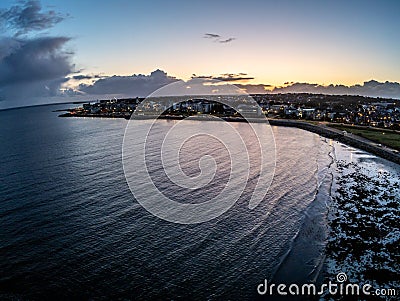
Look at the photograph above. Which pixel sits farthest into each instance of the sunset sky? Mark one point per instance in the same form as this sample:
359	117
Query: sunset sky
271	42
276	41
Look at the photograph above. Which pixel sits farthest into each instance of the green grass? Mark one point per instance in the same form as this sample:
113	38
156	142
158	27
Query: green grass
382	136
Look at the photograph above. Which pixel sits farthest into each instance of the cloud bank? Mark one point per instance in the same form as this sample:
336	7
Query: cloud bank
134	85
370	88
143	85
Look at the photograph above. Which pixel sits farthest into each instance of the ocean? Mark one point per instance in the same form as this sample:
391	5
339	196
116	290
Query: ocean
70	227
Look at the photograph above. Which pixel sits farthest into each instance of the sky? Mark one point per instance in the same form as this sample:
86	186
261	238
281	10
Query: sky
274	44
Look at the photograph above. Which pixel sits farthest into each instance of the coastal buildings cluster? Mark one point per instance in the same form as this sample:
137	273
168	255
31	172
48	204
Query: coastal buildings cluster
122	108
357	110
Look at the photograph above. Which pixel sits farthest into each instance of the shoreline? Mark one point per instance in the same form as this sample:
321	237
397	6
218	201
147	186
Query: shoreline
351	140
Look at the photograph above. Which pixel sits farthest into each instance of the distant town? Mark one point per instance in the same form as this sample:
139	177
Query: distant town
346	109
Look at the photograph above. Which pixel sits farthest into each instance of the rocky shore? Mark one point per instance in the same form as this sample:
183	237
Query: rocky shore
364	231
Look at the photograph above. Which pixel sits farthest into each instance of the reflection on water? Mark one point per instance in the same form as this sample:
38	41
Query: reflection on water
70	226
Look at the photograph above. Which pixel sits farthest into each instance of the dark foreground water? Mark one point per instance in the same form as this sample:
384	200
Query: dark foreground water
71	229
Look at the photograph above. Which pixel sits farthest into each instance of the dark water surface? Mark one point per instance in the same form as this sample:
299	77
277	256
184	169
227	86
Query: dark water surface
70	227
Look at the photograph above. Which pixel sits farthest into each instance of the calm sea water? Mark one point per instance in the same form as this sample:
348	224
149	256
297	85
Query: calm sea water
71	229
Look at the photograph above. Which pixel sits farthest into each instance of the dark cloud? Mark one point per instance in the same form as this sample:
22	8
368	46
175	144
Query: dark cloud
86	76
201	76
371	88
211	36
28	16
33	67
218	38
38	59
81	77
227	40
255	89
235	77
227	77
134	85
